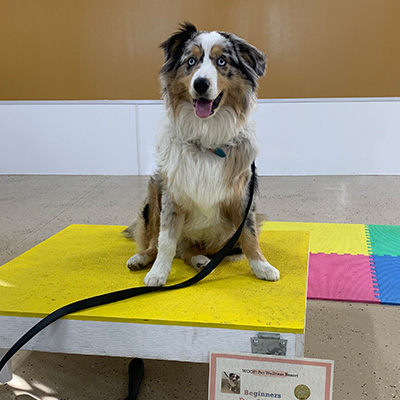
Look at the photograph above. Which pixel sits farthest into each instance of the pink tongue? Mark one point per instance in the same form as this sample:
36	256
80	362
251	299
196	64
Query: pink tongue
203	108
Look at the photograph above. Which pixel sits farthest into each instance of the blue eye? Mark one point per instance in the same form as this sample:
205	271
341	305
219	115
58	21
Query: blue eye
221	62
191	61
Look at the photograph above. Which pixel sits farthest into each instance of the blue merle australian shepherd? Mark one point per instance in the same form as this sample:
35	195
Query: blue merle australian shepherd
205	148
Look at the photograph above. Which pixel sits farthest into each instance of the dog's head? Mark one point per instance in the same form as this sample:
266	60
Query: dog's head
234	378
210	71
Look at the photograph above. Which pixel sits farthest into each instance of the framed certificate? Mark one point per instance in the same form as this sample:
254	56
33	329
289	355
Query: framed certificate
237	376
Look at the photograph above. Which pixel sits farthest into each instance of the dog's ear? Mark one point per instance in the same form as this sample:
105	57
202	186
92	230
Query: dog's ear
253	57
174	46
251	61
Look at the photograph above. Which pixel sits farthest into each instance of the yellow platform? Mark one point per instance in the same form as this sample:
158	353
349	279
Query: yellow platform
87	260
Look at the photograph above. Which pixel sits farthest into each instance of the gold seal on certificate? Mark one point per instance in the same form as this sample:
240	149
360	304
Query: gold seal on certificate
302	392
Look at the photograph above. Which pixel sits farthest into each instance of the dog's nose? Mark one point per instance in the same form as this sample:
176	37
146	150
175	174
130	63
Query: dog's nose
201	85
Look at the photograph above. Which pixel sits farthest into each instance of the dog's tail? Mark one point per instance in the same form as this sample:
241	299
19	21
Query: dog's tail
129	232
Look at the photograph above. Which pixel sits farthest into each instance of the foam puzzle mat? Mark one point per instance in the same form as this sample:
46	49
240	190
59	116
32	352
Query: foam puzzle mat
87	260
351	262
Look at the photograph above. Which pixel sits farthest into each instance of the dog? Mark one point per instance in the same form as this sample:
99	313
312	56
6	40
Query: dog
205	147
233	382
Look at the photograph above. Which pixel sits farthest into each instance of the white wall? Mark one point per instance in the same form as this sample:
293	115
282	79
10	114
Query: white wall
298	137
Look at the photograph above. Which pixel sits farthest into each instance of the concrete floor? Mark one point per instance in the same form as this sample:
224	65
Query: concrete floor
363	339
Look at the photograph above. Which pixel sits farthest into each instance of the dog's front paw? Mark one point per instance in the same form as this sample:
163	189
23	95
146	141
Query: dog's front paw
155	279
264	270
137	262
158	275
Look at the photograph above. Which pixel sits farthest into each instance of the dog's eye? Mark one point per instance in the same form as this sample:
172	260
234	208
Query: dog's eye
221	62
191	61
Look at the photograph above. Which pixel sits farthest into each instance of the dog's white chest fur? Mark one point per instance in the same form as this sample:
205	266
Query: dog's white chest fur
195	175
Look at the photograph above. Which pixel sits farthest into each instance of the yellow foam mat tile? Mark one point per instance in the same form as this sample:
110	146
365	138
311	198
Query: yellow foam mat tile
328	238
88	260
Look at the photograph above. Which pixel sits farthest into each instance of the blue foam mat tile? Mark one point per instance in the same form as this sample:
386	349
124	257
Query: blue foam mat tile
388	277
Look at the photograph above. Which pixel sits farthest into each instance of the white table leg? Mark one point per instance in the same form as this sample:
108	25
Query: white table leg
6	372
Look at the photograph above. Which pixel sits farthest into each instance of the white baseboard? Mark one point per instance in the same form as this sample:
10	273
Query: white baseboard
68	139
297	136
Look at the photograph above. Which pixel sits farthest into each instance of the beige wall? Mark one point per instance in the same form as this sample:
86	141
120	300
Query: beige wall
108	49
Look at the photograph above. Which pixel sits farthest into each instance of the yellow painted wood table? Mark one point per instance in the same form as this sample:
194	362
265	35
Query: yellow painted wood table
221	313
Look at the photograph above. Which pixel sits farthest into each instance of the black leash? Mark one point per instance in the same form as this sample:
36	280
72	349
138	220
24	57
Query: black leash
136	374
136	291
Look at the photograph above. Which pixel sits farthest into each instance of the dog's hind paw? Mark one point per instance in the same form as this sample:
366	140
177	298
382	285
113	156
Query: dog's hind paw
199	262
137	262
264	270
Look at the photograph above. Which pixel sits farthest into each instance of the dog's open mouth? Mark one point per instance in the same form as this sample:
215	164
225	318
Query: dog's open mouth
204	107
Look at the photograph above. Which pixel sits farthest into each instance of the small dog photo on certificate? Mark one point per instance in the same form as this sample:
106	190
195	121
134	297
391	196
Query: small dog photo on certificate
230	382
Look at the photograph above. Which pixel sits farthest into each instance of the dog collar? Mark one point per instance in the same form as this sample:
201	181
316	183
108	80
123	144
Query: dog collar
218	151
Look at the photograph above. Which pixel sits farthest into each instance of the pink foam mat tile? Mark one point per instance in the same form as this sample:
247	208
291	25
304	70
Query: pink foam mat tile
342	277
